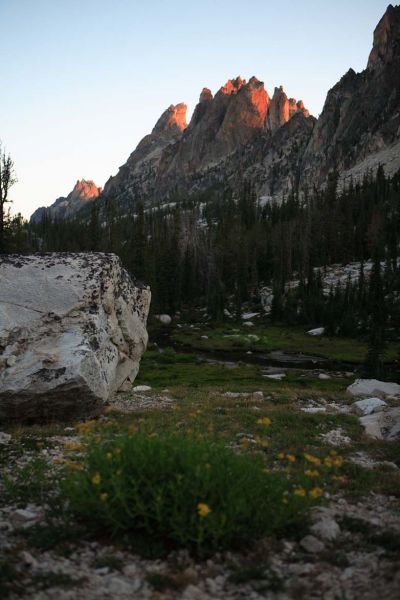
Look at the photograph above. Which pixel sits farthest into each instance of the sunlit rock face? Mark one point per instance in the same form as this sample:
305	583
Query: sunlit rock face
67	207
219	126
359	127
72	331
282	109
223	141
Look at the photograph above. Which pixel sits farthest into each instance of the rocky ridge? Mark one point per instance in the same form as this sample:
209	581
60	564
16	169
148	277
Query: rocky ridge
241	134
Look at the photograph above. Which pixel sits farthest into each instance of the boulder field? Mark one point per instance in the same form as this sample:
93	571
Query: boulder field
72	332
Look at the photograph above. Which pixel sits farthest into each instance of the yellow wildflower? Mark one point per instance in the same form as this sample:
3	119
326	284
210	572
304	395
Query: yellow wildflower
262	442
96	479
281	455
312	459
328	462
264	421
109	455
244	442
133	429
339	478
104	497
108	410
311	473
316	492
333	452
58	461
299	492
291	457
117	450
337	461
40	444
203	509
73	446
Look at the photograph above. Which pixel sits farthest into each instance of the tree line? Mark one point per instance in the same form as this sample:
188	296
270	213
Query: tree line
218	248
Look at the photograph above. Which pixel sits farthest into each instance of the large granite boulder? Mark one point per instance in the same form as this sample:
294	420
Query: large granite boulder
72	331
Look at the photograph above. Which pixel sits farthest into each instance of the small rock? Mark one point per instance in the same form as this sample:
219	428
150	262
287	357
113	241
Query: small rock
250	315
276	376
258	395
326	529
368	406
25	517
336	437
164	319
204	337
11	360
369	387
324	376
312	544
5	438
314	409
142	388
317	331
248	324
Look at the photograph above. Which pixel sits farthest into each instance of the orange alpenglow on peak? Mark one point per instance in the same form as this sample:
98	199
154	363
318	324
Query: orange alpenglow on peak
174	118
85	189
282	109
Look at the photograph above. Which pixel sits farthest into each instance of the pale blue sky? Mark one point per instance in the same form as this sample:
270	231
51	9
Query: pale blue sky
84	80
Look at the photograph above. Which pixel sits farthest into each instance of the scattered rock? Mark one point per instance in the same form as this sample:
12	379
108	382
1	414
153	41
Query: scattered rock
26	517
5	438
384	425
373	387
164	319
312	544
324	376
367	462
276	376
368	406
141	388
336	437
258	395
249	315
326	529
248	324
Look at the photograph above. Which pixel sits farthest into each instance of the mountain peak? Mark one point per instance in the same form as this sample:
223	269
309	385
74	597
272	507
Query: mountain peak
172	120
386	43
84	189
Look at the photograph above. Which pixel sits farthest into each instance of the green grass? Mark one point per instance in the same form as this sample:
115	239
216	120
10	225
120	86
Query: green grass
186	370
235	337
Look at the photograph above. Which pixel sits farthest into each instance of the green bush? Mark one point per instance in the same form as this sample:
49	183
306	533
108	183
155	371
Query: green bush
173	491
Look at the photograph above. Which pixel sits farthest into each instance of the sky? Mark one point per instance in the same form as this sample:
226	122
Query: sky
84	80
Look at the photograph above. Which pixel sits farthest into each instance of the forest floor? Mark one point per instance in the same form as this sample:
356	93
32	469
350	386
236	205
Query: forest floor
346	548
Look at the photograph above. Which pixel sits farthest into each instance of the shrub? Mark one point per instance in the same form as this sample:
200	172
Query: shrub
173	491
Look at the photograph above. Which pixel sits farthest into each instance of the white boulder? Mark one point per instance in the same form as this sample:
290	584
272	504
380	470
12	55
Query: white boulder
373	387
76	325
368	406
